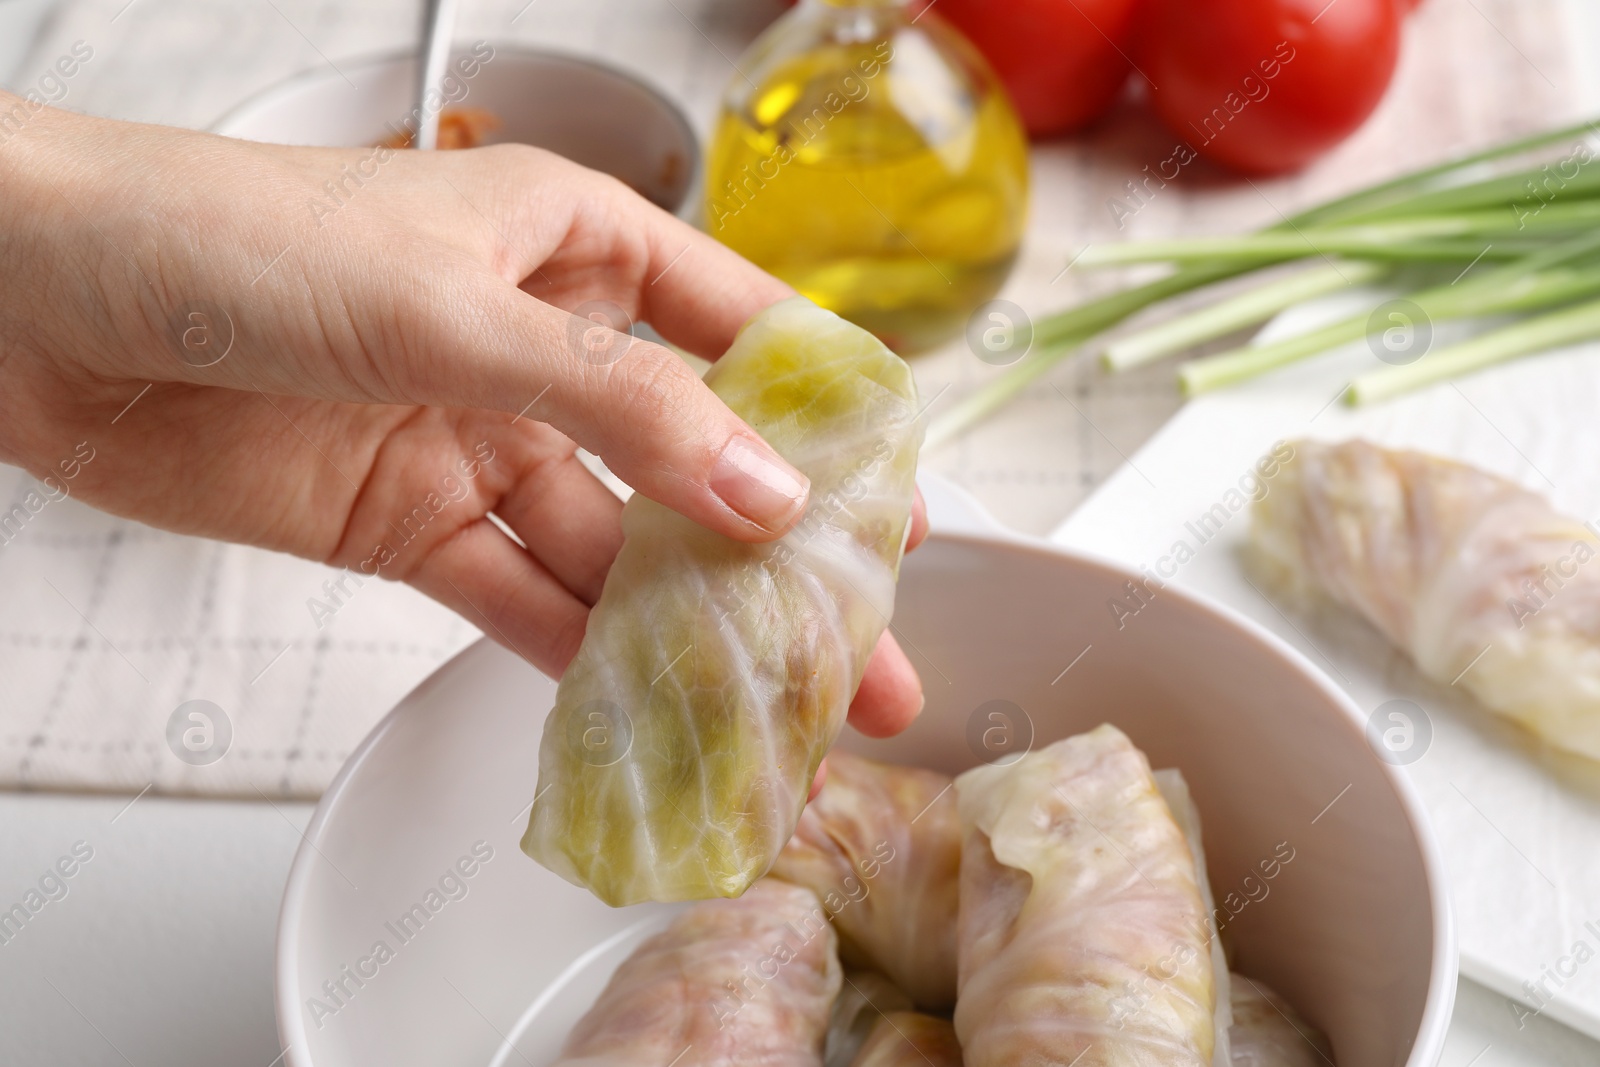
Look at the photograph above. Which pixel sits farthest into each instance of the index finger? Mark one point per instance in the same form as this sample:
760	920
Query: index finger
701	292
695	291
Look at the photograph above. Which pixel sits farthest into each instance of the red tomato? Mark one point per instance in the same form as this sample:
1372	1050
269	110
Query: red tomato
1063	61
1267	85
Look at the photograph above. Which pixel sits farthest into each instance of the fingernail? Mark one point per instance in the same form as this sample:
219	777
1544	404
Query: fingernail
755	482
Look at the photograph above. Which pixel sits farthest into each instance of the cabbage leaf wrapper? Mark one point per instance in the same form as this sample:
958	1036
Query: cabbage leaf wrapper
881	847
910	1039
864	999
714	674
1083	935
1481	582
1175	791
1268	1032
729	982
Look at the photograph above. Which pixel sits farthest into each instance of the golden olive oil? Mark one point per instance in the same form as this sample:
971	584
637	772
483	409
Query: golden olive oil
874	165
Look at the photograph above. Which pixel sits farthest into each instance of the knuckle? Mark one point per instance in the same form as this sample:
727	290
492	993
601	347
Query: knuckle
520	158
656	390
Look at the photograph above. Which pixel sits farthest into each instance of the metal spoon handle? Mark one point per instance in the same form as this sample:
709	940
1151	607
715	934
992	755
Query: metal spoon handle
438	28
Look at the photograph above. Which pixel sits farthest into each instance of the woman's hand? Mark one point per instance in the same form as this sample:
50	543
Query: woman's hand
356	355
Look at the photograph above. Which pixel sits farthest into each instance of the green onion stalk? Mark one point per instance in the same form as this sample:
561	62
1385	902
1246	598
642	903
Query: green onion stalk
1458	211
1533	283
1580	322
1235	313
1442	237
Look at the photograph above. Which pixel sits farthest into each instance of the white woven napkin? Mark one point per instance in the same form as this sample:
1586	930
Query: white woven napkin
112	628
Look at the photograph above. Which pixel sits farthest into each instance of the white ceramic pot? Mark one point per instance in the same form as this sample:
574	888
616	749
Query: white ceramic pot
581	109
1355	929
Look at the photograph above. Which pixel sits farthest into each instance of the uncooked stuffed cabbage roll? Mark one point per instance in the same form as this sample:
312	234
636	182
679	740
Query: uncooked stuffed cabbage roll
864	998
881	847
1175	791
715	674
1268	1032
730	982
1480	581
1083	936
910	1039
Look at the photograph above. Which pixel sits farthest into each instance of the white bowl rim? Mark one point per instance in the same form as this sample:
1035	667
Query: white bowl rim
270	95
1428	1046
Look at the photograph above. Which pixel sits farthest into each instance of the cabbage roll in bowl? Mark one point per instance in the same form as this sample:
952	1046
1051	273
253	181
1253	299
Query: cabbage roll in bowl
1269	1032
910	1039
864	999
714	674
1084	937
748	981
881	847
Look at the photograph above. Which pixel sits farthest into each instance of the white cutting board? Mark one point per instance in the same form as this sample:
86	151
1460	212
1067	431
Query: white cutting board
1520	826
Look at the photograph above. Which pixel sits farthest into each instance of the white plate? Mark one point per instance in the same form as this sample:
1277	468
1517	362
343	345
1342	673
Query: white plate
1355	929
1519	826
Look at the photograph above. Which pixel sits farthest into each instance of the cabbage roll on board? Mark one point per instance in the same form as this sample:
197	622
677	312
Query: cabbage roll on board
910	1039
881	847
1268	1032
730	982
715	674
1478	580
1083	936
